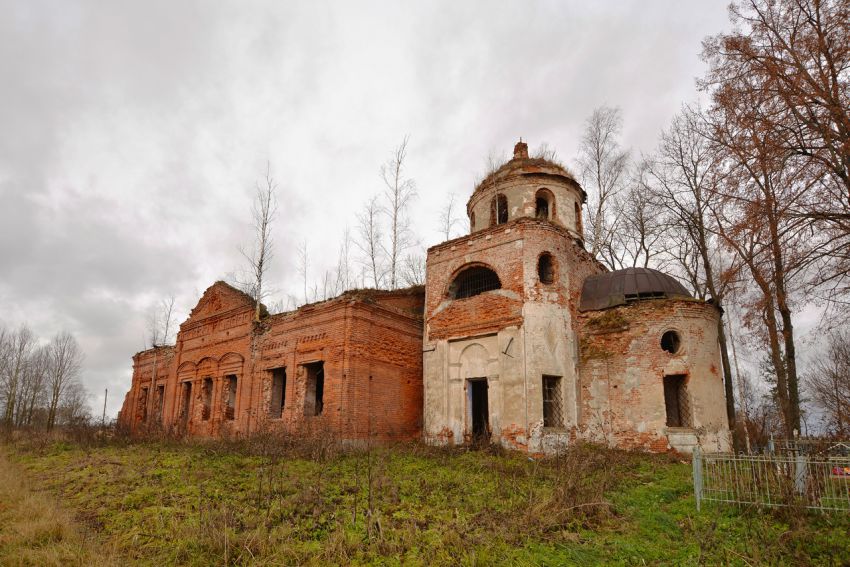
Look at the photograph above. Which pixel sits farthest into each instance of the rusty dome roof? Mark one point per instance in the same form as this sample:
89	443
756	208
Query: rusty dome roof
624	286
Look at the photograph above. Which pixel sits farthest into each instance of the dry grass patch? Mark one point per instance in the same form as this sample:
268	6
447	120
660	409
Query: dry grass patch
34	530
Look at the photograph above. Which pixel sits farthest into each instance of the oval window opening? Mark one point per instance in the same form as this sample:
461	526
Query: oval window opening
671	342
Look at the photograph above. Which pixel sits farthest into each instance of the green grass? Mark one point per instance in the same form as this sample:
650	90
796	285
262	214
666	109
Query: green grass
164	504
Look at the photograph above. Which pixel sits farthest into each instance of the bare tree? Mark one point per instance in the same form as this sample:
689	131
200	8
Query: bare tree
32	391
684	171
641	237
369	241
161	322
758	192
413	271
785	67
20	345
303	267
449	218
343	263
66	360
603	166
544	151
263	212
828	382
398	192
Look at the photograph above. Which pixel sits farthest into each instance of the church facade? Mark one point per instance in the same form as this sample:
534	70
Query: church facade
519	337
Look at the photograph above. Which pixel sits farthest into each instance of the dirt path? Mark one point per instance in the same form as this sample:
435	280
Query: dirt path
34	530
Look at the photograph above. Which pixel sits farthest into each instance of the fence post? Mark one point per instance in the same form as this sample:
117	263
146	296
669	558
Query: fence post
800	471
697	462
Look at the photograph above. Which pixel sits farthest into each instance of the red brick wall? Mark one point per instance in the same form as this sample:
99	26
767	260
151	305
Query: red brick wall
512	250
357	335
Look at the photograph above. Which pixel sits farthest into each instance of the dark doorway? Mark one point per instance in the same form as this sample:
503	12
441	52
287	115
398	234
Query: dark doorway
278	394
676	401
314	401
230	402
186	402
479	406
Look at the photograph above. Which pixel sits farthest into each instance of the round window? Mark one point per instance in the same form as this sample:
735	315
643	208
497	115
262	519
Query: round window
671	342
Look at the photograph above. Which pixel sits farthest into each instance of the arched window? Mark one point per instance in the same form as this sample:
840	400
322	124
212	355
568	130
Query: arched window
546	268
578	217
471	221
473	281
544	204
499	210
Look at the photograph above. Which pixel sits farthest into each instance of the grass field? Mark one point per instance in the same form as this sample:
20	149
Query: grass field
219	504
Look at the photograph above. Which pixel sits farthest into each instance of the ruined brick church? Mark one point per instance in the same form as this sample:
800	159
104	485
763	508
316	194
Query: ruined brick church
519	336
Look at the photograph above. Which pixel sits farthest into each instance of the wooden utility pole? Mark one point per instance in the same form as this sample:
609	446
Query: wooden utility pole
103	417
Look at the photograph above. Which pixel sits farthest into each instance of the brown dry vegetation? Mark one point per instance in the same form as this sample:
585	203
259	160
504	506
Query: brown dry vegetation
273	500
34	530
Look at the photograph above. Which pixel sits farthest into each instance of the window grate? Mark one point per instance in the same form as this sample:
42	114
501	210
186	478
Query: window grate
553	404
676	401
474	281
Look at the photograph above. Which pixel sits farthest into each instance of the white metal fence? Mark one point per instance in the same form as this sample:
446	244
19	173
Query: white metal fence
820	482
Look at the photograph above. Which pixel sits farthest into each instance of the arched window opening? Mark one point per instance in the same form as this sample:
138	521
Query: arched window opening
474	281
578	217
544	204
671	342
546	268
471	222
500	209
542	208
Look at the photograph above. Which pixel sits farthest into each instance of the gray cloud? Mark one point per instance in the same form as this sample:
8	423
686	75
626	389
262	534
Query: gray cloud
133	133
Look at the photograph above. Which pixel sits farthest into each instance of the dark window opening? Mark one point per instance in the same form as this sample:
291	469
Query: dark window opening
207	392
676	401
542	208
553	403
479	407
186	404
471	222
632	297
501	209
143	404
160	401
314	401
474	281
578	217
230	399
545	269
671	342
278	399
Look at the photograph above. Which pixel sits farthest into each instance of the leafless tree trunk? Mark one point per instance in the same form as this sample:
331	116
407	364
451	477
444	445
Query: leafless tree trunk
603	167
32	392
760	189
343	264
66	361
19	351
828	382
641	236
161	322
413	271
449	218
369	241
684	170
263	212
398	193
303	267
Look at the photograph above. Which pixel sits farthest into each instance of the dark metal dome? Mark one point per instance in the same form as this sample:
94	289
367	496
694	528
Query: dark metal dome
624	286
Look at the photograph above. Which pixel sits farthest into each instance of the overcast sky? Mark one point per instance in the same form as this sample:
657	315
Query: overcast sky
132	134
